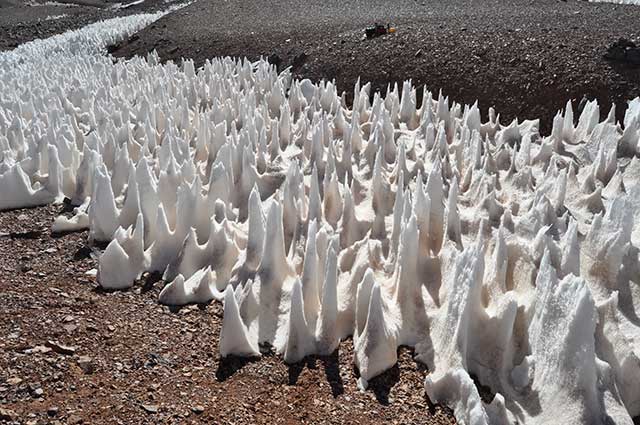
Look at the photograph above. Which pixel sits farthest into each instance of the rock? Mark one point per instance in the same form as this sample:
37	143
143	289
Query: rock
61	349
624	50
7	415
38	392
418	53
633	56
150	408
74	420
299	60
68	319
70	327
52	411
38	349
197	409
275	60
14	381
86	364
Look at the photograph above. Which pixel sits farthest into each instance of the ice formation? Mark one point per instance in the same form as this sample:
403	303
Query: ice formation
633	2
502	257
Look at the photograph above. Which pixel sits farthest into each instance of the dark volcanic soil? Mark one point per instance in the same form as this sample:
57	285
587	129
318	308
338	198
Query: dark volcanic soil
147	364
525	57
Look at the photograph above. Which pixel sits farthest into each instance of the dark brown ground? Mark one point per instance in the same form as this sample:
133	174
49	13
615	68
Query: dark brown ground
146	355
525	57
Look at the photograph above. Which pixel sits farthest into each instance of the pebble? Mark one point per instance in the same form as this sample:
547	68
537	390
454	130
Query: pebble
7	415
70	327
38	349
14	381
197	409
86	364
150	408
74	420
61	349
52	411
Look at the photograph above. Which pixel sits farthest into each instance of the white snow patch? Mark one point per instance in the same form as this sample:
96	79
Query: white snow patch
55	17
632	2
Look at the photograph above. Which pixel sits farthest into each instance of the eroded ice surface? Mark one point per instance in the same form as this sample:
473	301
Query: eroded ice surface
494	252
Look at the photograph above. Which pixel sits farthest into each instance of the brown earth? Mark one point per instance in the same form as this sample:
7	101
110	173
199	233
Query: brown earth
524	57
148	364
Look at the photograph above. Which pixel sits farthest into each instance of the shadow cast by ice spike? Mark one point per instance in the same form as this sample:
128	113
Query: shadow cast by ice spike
230	365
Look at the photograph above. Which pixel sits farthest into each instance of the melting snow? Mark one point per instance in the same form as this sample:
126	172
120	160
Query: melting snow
495	252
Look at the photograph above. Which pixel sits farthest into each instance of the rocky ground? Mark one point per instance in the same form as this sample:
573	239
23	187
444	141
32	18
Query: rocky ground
525	57
73	354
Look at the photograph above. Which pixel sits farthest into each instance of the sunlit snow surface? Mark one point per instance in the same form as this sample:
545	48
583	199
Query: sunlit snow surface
495	252
635	2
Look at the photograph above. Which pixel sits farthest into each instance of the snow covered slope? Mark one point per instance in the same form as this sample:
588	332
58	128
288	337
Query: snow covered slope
495	252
